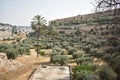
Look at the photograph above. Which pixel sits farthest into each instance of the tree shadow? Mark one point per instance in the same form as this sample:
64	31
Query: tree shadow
43	63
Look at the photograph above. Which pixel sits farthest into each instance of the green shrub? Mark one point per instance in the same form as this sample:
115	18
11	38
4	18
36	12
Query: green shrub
93	51
32	47
63	60
27	41
71	51
21	50
64	44
102	42
83	59
52	53
59	59
4	47
27	49
107	57
77	76
18	39
93	32
57	49
91	77
96	53
107	73
67	47
96	45
81	71
48	45
76	55
12	53
55	59
87	48
99	54
43	53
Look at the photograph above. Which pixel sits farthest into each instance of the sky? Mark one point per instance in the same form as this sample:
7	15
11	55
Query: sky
21	12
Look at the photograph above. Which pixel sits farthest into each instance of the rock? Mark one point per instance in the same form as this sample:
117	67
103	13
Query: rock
3	56
8	65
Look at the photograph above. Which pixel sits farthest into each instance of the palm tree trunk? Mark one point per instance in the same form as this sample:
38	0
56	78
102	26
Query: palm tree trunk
38	44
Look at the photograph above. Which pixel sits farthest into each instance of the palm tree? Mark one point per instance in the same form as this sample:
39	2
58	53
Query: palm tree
38	25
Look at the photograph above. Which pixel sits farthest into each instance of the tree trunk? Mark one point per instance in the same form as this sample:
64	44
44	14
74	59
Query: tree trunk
38	44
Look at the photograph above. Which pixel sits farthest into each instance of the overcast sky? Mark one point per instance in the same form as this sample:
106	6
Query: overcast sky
20	12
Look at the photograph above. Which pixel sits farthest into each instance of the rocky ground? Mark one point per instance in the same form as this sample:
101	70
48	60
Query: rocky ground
8	65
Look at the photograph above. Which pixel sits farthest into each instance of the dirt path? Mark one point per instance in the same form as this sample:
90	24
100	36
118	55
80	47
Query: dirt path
30	64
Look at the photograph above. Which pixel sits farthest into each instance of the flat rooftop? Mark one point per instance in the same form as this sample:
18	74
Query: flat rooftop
51	73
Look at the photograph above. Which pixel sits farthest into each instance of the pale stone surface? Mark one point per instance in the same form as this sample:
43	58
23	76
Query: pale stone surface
51	73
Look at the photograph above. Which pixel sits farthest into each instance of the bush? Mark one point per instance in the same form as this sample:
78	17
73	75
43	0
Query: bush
12	53
27	41
99	54
96	53
107	73
93	51
57	49
107	57
96	45
21	50
63	60
81	71
42	53
71	51
77	76
4	47
87	48
68	47
83	59
91	77
52	53
76	55
48	45
55	59
27	49
13	50
59	59
18	39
